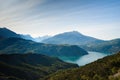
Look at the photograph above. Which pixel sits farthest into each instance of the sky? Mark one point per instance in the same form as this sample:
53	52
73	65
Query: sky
96	18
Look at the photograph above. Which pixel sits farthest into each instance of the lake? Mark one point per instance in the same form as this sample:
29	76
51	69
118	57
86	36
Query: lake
92	56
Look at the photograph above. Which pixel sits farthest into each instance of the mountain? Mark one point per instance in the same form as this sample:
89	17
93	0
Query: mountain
85	42
27	37
111	46
107	68
18	45
72	38
40	39
29	66
6	33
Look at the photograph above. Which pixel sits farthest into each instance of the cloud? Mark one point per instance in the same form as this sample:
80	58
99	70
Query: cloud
43	17
15	11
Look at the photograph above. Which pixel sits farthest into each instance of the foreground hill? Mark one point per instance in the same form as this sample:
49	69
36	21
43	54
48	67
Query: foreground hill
107	68
73	38
29	66
112	46
18	45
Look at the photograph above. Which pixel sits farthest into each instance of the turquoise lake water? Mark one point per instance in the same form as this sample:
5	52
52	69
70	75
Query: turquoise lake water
92	56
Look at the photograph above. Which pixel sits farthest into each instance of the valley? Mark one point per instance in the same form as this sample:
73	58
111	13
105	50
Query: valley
69	53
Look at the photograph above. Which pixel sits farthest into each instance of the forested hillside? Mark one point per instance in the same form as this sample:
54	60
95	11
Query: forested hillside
107	68
29	66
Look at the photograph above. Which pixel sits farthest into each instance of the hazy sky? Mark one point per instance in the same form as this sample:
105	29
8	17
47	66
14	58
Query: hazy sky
97	18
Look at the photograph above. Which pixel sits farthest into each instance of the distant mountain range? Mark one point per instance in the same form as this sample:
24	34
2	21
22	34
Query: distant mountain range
70	38
18	45
40	39
107	68
29	66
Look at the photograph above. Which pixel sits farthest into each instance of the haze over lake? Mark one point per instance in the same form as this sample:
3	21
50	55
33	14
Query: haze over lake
91	57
